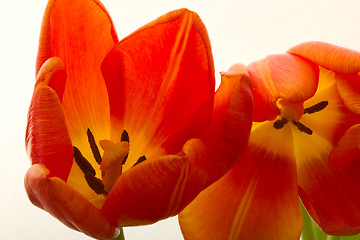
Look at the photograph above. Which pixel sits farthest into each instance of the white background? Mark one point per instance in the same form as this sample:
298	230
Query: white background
240	31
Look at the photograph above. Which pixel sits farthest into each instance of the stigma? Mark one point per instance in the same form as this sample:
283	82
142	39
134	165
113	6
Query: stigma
292	112
110	164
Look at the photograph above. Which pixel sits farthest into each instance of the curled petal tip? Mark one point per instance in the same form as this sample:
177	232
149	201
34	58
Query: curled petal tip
234	70
51	66
239	72
332	57
53	74
116	233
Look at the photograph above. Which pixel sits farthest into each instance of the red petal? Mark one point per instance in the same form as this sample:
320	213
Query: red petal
80	33
331	195
156	189
348	86
229	130
59	29
257	199
281	76
47	139
329	56
347	149
63	202
53	74
161	81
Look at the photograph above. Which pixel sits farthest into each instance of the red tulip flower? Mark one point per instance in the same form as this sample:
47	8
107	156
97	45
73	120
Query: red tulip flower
305	142
128	133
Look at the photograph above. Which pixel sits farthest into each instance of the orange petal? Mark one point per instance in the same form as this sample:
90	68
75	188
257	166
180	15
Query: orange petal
80	33
53	74
161	81
229	130
348	86
329	56
47	139
257	199
63	202
331	195
347	149
155	189
281	76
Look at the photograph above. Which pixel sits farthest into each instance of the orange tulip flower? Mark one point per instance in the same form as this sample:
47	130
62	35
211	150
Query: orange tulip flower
127	133
305	142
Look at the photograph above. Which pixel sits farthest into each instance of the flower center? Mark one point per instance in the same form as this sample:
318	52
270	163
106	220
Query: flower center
292	112
114	157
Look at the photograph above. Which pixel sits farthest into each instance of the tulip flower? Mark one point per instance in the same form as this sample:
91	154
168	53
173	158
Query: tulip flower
127	133
304	143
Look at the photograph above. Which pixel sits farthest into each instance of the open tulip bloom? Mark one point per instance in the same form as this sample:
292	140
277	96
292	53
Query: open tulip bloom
128	133
305	141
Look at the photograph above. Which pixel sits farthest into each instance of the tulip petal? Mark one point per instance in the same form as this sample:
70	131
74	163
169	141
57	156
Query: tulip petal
329	56
156	188
331	195
257	199
229	130
81	44
63	202
53	74
347	149
348	86
332	122
160	81
281	76
47	140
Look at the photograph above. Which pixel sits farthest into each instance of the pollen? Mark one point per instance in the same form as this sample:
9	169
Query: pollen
316	108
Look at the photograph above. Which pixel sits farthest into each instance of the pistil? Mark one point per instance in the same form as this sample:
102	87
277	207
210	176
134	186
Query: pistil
292	112
114	157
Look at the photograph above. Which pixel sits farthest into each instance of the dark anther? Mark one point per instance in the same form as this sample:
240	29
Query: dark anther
125	136
280	123
303	128
140	160
94	183
316	108
93	146
125	158
82	162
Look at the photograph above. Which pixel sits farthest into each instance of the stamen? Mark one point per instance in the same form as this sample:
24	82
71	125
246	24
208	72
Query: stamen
93	146
82	162
95	184
303	128
280	123
125	136
125	158
316	108
140	160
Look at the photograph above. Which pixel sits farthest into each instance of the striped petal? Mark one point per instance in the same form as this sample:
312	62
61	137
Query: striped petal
329	56
229	130
63	202
80	33
47	139
347	149
331	195
348	86
157	188
257	199
281	76
160	81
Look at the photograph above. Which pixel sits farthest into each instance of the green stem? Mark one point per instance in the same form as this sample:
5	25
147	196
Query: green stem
333	238
121	235
308	230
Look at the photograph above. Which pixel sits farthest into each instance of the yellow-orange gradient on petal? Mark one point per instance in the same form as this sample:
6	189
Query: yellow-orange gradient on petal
125	133
305	143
